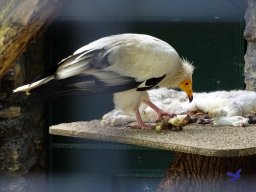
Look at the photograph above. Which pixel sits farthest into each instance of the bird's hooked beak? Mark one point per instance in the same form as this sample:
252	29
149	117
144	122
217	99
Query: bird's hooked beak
186	86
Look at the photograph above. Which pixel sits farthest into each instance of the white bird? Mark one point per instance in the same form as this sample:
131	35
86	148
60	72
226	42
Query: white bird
131	63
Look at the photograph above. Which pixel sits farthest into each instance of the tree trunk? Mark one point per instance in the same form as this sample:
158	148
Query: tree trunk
21	22
196	173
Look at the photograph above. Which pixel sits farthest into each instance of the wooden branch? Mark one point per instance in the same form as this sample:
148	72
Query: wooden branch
21	22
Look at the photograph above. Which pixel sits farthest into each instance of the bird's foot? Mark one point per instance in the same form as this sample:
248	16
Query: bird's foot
164	113
136	125
160	112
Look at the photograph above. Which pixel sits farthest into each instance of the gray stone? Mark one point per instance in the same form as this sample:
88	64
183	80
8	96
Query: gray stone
217	141
250	36
22	125
10	112
16	152
250	19
27	183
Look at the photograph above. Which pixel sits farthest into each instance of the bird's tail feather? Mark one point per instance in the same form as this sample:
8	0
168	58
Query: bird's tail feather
27	88
77	85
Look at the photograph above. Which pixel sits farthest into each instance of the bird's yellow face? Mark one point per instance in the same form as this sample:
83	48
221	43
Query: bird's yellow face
186	86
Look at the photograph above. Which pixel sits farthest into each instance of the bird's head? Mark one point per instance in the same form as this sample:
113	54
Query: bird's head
186	85
186	80
182	78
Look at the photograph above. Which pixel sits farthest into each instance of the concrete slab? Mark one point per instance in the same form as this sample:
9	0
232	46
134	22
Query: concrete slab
208	140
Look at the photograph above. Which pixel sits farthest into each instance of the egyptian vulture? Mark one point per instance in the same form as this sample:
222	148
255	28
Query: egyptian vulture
128	64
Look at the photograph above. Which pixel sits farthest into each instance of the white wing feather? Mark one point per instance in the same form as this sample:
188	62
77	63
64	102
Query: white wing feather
139	56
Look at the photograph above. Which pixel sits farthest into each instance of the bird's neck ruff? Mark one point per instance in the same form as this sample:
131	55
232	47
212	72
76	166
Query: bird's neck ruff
183	71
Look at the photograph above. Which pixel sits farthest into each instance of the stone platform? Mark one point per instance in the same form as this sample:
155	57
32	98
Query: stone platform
217	141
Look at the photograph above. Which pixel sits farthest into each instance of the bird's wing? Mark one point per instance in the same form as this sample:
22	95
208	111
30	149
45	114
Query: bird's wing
142	58
79	85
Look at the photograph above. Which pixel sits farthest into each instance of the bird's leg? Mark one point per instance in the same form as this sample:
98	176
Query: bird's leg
139	123
159	111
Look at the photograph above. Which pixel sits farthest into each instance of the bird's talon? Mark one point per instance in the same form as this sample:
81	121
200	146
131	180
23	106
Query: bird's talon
165	114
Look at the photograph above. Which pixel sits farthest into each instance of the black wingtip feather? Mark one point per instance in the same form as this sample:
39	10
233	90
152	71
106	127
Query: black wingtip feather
77	85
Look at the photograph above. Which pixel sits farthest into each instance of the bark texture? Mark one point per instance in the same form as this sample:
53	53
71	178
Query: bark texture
196	173
21	22
250	36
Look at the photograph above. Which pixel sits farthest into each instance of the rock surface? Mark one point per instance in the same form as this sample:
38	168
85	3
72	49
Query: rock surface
22	127
250	36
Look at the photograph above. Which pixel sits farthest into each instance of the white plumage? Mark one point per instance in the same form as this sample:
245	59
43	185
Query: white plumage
141	61
225	107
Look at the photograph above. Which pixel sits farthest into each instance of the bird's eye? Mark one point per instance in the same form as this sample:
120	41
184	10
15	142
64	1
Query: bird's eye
186	83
